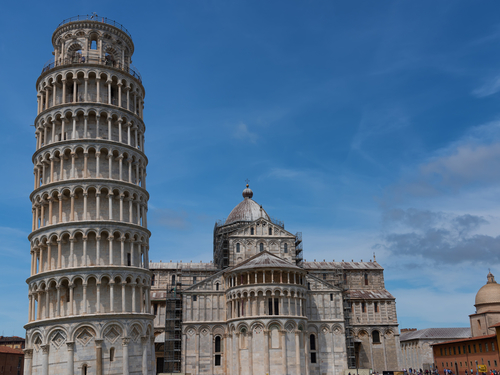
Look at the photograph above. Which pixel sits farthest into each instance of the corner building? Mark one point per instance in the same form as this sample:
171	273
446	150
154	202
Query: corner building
89	283
258	308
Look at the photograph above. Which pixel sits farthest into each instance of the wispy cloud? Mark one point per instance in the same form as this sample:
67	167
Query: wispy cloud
492	86
470	162
242	132
170	219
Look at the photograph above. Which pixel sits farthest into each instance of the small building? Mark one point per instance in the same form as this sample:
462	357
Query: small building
15	342
11	361
482	348
416	345
467	354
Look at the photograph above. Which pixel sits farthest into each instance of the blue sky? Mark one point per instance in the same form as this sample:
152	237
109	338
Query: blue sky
369	126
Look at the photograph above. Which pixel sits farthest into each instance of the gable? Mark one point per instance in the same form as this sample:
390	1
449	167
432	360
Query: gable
317	284
208	285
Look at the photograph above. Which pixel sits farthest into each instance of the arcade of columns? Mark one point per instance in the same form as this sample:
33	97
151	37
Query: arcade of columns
89	240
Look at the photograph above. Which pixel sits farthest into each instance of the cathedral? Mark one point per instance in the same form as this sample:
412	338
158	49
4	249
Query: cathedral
97	305
259	308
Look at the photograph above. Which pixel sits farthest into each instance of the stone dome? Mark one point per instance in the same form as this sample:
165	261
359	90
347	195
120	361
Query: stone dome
247	210
488	297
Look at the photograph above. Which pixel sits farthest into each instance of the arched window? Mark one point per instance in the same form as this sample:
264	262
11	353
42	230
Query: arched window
366	279
111	354
285	248
252	231
84	369
153	279
376	337
270	231
261	247
217	350
363	307
217	286
237	247
312	347
173	280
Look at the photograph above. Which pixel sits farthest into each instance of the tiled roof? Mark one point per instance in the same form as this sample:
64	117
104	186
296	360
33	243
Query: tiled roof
341	265
7	350
467	339
264	260
436	333
370	294
11	338
182	266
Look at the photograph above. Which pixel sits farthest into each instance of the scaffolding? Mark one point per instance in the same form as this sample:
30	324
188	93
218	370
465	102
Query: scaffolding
173	325
298	249
221	242
349	339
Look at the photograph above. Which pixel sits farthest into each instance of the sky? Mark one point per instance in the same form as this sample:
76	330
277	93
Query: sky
370	127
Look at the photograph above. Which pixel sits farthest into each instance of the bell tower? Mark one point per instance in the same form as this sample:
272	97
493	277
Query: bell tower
89	308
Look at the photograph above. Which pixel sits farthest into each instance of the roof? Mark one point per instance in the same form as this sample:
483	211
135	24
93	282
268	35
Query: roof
264	259
370	294
467	339
182	266
11	338
155	296
436	333
488	295
341	265
7	350
247	210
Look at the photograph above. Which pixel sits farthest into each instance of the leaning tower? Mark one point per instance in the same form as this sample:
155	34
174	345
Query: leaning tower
89	284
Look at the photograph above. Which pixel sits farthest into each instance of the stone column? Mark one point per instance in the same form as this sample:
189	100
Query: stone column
98	297
72	262
132	285
237	349
84	310
47	305
297	353
59	253
124	285
283	352
58	302
306	351
197	346
144	341
28	357
45	359
266	351
111	296
125	342
70	370
229	355
98	357
250	351
71	299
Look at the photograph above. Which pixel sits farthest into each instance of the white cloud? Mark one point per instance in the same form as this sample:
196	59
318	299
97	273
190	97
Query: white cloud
492	86
242	132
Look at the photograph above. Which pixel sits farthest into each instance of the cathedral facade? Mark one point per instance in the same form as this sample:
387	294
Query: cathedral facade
258	308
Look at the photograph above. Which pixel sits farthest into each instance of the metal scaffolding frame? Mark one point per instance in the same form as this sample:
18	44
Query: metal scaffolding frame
172	353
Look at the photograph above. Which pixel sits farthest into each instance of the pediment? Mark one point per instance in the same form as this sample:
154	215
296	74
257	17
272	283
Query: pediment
209	284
